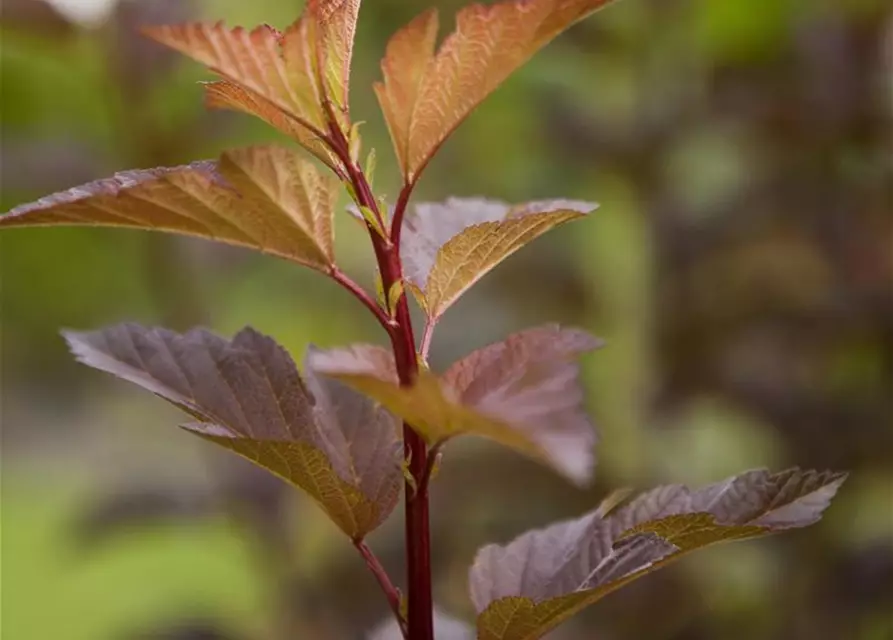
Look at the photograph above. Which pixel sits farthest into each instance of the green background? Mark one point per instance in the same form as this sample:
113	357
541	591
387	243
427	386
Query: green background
740	269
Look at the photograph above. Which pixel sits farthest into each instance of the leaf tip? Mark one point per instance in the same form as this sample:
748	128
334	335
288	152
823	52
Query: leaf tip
578	464
72	339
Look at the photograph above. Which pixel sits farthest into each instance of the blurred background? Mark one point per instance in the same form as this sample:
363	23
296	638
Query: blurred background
740	269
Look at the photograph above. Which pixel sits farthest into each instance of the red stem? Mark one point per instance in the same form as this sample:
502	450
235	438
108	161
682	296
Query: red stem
384	581
399	210
420	610
360	294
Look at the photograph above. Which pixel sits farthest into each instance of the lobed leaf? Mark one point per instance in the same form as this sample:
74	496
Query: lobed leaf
425	95
528	587
285	78
266	198
523	392
447	247
247	395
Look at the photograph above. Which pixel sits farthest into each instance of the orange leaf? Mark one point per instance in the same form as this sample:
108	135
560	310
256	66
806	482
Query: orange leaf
252	59
425	96
266	198
286	78
224	94
409	52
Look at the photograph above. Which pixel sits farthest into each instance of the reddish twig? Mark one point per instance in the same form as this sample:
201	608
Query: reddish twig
363	296
399	212
384	581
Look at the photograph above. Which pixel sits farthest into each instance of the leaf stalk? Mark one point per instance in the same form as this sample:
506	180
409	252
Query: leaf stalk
363	296
400	211
384	581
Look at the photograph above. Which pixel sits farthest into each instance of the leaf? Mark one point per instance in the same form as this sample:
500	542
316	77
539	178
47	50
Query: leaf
447	247
446	627
355	142
612	501
757	498
542	578
408	57
266	198
257	78
425	95
246	395
235	97
369	168
564	569
286	78
337	22
523	393
394	294
368	216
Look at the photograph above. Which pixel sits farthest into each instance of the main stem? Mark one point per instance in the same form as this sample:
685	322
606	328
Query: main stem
418	540
420	609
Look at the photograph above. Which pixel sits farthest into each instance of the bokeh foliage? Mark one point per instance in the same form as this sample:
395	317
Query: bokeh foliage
739	268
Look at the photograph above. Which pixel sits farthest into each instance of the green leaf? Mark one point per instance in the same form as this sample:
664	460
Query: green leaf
394	295
369	170
370	217
408	477
542	578
379	291
355	142
246	395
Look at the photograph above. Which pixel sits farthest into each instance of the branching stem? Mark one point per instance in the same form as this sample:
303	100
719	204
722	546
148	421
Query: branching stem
420	609
363	296
399	212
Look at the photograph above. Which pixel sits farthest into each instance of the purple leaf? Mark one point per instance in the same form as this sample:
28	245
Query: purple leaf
528	587
247	395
